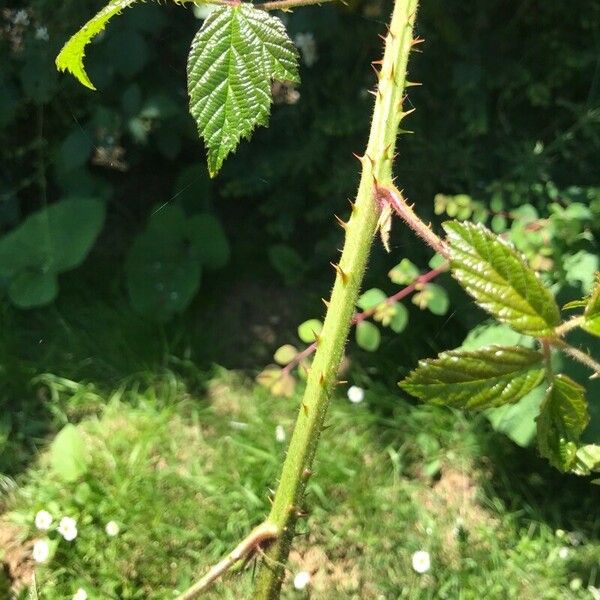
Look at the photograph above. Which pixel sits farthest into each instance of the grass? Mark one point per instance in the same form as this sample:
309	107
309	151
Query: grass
186	474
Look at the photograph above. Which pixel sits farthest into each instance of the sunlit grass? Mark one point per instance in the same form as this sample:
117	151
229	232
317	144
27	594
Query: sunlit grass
187	475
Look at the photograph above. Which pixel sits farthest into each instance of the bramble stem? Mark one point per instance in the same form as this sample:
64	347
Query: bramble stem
360	229
287	4
567	326
579	356
262	534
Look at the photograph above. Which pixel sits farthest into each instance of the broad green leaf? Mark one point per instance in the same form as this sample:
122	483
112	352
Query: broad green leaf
562	419
68	454
438	302
591	314
309	330
209	242
31	288
500	280
233	58
491	376
368	336
71	56
371	298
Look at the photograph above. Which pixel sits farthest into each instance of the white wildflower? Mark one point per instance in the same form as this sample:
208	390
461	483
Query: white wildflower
301	580
43	520
41	33
41	551
112	528
80	594
280	434
308	47
421	561
563	552
68	528
576	584
356	394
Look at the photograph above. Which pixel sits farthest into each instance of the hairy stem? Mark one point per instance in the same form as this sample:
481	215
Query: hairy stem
376	167
579	355
287	4
567	326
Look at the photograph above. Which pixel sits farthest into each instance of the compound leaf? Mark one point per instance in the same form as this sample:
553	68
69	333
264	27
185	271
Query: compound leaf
500	280
562	419
233	58
490	376
71	56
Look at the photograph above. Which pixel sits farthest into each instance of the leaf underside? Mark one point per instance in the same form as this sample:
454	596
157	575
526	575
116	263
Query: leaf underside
72	54
478	379
500	280
233	58
562	419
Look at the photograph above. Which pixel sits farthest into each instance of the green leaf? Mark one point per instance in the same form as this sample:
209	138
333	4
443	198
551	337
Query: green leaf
399	321
588	459
404	273
500	280
33	288
233	58
371	298
71	56
591	314
438	301
309	330
209	242
491	376
68	454
562	419
368	336
285	354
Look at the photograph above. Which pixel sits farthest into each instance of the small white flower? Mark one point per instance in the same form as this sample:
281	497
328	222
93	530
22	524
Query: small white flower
112	528
356	394
68	528
280	434
563	552
41	33
80	594
43	520
301	580
308	46
41	551
421	561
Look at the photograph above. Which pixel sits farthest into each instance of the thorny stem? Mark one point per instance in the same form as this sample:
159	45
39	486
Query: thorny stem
260	535
361	316
567	326
287	4
360	229
579	356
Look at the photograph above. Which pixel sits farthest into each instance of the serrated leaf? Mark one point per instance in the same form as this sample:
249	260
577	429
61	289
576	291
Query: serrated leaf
500	280
591	314
71	56
491	376
232	60
562	419
309	330
368	336
588	459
